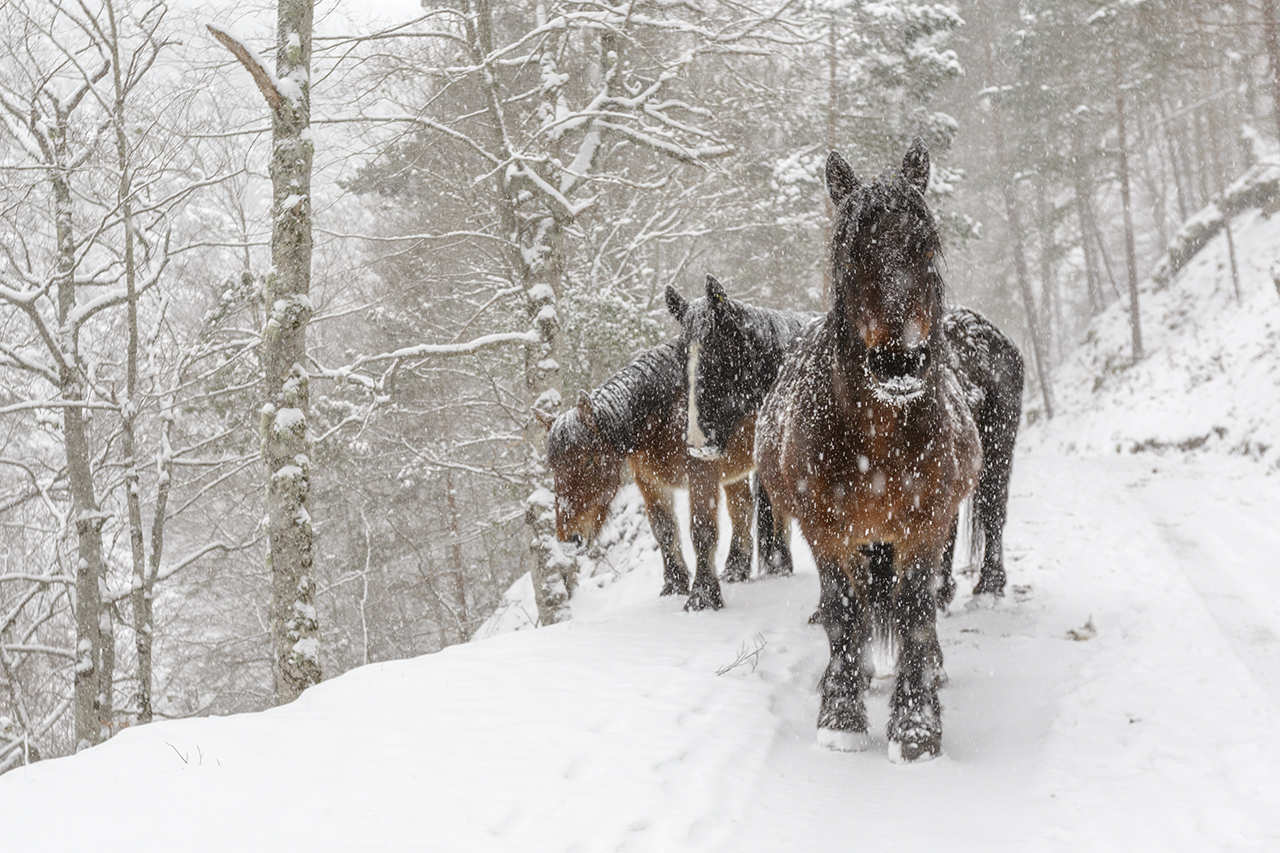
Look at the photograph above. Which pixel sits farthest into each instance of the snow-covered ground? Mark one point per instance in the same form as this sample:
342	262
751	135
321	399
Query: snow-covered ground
1125	695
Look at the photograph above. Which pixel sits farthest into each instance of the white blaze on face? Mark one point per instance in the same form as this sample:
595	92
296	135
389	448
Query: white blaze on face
693	436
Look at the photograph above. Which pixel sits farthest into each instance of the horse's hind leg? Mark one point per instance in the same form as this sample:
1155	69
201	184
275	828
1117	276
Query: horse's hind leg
946	571
704	499
737	566
990	507
772	536
915	716
842	719
662	521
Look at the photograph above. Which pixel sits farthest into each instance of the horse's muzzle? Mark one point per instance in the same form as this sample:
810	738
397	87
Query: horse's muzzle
899	373
705	452
574	546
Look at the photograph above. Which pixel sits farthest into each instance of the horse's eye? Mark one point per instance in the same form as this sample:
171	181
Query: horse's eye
928	256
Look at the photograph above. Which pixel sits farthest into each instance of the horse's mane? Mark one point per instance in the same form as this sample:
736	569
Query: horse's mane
781	327
645	387
770	327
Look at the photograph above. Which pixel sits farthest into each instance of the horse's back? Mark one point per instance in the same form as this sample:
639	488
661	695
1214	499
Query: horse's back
987	363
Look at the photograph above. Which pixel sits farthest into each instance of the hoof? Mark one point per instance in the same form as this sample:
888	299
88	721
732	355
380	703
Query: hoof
911	751
946	592
990	584
842	741
736	574
915	735
675	587
704	599
778	565
842	713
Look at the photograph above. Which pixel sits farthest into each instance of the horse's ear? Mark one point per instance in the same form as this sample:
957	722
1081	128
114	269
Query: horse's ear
676	304
915	165
715	292
585	412
543	418
841	181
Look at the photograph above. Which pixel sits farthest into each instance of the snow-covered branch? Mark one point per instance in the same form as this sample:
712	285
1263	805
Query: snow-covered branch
348	373
266	82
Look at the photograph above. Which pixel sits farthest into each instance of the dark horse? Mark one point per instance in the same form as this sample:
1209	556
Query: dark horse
636	417
990	371
867	441
736	350
734	353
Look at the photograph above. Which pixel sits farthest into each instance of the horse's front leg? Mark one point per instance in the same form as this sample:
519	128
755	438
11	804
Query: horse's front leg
773	535
842	718
915	714
704	499
737	566
660	508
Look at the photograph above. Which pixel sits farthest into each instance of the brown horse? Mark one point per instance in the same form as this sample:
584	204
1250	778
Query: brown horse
866	440
636	417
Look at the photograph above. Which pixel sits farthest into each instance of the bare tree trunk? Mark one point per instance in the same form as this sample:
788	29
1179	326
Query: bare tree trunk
1095	234
1092	275
1130	253
554	573
1048	297
1231	250
286	444
1271	38
1203	155
459	575
1156	182
295	625
832	101
1014	213
93	670
143	627
1174	161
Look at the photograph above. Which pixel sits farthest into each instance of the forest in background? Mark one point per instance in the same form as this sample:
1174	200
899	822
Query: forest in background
499	194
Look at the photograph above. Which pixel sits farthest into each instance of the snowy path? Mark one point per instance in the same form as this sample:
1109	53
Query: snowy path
614	732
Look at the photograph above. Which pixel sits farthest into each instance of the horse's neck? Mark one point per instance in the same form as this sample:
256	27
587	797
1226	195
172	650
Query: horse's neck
628	399
771	332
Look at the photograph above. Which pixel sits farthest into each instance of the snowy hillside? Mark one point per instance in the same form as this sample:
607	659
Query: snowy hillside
1124	696
1211	375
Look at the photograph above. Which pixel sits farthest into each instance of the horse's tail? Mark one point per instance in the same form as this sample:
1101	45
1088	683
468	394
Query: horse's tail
976	507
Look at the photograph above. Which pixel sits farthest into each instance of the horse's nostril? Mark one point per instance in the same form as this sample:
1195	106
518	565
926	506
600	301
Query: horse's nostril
891	363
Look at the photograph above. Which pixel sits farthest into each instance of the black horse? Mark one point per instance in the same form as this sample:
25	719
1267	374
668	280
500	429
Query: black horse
867	441
735	351
990	371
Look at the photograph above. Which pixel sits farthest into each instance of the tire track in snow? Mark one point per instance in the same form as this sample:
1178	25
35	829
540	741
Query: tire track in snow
1231	559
